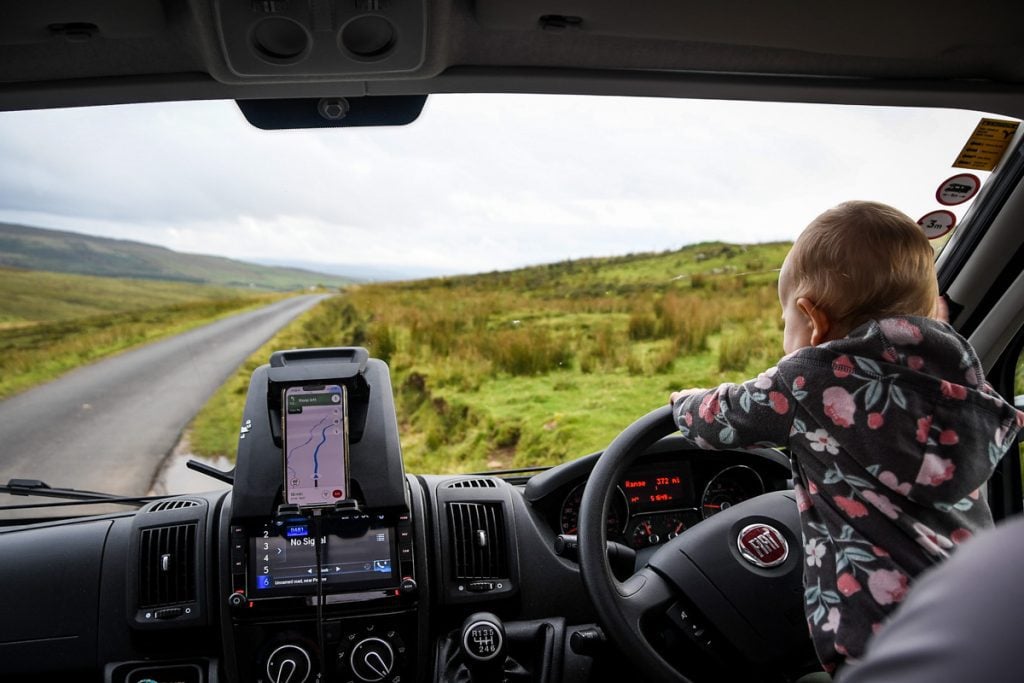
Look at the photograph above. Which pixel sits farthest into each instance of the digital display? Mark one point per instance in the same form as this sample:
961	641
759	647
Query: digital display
659	488
315	445
282	560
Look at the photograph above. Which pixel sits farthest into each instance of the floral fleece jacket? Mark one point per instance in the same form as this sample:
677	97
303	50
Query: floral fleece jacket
892	432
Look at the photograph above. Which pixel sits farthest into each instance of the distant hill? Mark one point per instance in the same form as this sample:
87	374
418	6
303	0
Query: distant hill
70	252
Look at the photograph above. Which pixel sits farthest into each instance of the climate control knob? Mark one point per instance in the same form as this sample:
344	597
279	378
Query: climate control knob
372	659
289	664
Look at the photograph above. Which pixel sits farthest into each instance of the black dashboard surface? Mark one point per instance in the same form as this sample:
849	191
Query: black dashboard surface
102	599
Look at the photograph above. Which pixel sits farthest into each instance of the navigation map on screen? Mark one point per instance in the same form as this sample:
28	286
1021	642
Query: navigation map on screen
315	445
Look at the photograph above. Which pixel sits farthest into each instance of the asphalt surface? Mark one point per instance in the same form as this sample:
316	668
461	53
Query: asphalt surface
108	426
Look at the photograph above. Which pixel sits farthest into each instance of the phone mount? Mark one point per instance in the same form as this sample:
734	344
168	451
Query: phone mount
376	472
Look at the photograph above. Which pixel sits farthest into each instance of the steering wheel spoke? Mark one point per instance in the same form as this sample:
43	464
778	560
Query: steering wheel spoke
644	594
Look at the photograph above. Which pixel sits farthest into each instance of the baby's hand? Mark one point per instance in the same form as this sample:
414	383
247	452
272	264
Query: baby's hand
676	395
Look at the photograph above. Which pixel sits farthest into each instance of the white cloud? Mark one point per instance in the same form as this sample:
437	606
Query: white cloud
479	182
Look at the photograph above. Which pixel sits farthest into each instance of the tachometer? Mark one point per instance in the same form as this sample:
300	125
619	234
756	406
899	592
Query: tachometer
615	523
727	488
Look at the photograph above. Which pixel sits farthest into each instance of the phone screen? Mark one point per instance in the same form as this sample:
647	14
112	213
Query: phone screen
315	445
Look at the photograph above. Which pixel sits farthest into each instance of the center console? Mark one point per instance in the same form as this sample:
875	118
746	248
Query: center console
324	593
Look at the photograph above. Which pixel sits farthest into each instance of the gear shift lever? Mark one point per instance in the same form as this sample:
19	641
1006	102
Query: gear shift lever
483	642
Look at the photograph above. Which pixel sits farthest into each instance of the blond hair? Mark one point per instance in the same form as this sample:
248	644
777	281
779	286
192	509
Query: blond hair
863	260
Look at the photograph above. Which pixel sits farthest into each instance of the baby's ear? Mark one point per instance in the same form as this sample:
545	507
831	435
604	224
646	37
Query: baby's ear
820	323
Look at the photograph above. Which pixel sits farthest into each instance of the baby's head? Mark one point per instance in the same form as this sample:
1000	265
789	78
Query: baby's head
855	262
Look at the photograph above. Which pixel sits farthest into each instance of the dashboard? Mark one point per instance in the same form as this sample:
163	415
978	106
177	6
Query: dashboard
418	578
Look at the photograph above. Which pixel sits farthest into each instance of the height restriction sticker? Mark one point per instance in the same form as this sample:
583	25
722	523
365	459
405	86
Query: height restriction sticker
987	144
937	223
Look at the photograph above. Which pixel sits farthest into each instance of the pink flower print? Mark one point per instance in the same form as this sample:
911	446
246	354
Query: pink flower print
821	441
799	382
1020	418
709	407
815	551
890	480
852	508
847	584
959	536
900	331
935	470
832	623
803	501
876	627
975	494
688	419
842	367
879	551
764	380
875	420
883	504
933	542
779	403
950	390
948	437
915	362
971	377
839	406
887	586
812	488
888	355
924	424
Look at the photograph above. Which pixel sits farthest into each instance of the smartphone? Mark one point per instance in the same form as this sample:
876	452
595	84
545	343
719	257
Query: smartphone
315	445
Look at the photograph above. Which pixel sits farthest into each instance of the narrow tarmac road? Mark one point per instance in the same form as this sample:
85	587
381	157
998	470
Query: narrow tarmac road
108	426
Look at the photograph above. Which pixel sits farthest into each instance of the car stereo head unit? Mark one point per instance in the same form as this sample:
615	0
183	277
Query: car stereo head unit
359	553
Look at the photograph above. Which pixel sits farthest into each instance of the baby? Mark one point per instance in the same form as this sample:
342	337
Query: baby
891	427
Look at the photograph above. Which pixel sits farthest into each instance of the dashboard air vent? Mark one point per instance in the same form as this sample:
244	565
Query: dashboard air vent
172	504
167	565
477	542
479	483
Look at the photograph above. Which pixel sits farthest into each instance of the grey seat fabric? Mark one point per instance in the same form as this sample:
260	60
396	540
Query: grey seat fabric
962	621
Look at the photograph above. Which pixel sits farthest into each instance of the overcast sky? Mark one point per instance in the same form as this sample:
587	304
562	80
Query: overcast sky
479	182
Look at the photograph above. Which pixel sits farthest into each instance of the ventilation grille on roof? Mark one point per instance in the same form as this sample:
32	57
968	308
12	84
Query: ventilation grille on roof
167	565
477	541
173	504
481	483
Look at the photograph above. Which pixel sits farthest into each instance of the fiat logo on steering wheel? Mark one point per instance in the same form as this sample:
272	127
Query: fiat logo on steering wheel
762	545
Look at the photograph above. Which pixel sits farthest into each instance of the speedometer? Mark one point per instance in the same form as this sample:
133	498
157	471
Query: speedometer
727	488
615	523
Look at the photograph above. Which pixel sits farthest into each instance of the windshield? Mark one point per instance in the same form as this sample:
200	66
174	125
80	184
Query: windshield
537	271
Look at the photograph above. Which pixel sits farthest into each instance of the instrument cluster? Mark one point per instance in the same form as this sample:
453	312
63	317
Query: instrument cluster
655	502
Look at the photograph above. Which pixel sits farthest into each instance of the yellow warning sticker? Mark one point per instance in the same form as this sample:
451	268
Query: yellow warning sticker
986	145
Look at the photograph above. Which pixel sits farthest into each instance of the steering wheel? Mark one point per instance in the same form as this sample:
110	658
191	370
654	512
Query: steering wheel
702	581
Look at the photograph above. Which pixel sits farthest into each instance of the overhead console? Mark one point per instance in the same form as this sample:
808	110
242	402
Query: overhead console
325	38
320	566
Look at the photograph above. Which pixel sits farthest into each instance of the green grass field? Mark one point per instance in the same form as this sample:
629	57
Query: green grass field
540	365
53	322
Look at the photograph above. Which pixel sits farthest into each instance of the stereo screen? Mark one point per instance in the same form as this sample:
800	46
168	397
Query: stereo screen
282	561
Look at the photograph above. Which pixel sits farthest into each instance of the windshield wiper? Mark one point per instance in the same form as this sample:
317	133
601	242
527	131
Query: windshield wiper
35	487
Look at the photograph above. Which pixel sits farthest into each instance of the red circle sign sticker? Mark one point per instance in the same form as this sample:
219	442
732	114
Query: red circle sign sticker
937	223
958	189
